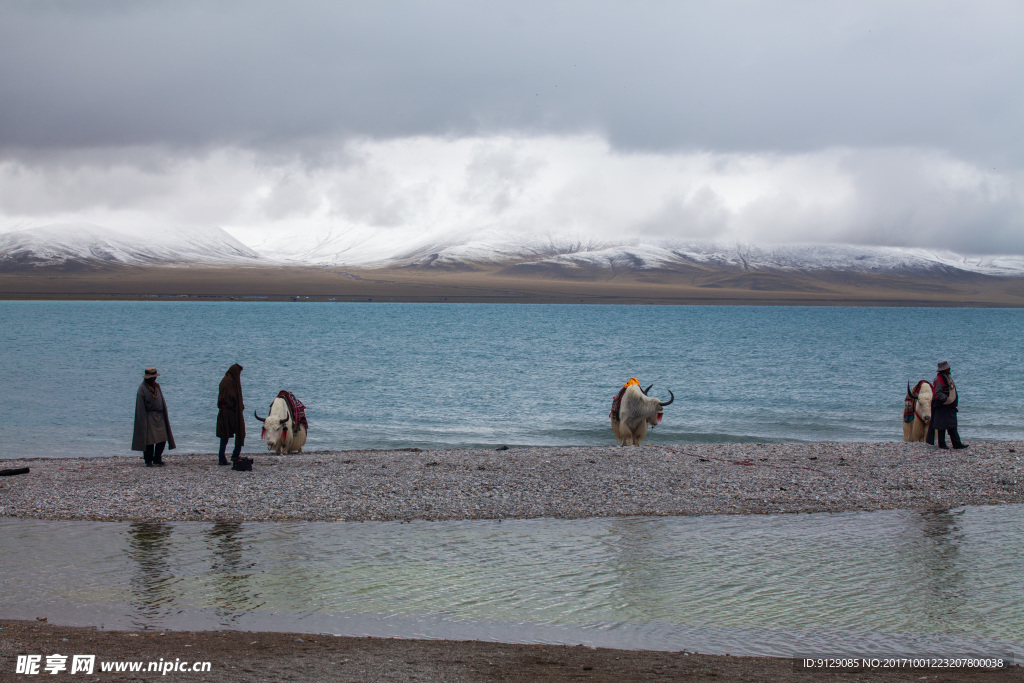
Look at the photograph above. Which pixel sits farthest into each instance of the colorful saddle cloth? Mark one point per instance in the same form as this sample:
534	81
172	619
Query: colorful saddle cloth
295	407
614	413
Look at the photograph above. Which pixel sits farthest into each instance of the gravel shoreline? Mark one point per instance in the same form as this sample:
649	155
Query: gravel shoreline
564	482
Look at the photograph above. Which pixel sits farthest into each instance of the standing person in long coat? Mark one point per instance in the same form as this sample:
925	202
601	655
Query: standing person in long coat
944	409
152	426
230	420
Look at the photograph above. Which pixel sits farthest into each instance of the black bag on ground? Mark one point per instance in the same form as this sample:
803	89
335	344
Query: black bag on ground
242	465
12	472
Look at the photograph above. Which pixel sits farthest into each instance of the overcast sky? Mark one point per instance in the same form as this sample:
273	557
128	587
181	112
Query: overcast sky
888	123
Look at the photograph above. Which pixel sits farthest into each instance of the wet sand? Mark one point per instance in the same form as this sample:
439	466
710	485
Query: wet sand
236	656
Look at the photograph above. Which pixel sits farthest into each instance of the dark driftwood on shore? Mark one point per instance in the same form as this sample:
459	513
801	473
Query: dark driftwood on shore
11	473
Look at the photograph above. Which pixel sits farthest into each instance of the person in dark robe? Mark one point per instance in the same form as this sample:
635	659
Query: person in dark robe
152	426
944	410
230	420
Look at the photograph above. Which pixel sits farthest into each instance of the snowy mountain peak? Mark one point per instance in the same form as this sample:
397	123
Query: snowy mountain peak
365	249
82	243
61	243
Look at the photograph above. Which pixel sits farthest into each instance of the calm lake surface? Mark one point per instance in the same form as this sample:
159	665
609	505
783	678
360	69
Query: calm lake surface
383	375
853	584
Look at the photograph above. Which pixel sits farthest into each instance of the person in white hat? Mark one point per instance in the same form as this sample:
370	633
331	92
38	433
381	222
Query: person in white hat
944	410
152	426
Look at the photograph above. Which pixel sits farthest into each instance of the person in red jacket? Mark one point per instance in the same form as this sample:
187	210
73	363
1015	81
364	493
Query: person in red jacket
944	410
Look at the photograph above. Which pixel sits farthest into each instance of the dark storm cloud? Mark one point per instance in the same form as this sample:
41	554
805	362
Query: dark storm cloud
728	76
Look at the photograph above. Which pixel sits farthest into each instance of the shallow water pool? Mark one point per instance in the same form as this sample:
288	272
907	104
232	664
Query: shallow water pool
861	583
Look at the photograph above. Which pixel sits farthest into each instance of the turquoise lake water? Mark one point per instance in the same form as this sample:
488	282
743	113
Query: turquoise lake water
384	375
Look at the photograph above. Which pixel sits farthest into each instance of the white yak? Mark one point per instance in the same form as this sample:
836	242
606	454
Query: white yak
917	411
636	411
282	432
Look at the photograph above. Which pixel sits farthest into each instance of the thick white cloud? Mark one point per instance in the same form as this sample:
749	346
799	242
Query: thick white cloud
396	191
868	121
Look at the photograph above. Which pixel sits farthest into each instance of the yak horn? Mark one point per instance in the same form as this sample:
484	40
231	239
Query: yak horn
908	390
261	419
647	389
670	400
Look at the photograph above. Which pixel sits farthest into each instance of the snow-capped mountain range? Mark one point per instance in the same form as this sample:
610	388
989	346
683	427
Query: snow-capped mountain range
86	244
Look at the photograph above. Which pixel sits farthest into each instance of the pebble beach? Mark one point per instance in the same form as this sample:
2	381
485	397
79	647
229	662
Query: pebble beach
562	482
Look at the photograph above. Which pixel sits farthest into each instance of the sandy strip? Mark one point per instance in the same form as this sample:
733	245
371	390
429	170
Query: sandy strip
565	482
678	284
236	656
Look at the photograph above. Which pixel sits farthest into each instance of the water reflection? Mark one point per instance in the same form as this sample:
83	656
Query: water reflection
638	551
149	548
892	582
231	567
943	579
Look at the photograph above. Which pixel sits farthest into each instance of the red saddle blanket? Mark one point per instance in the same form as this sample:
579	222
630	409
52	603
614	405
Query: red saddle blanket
295	407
